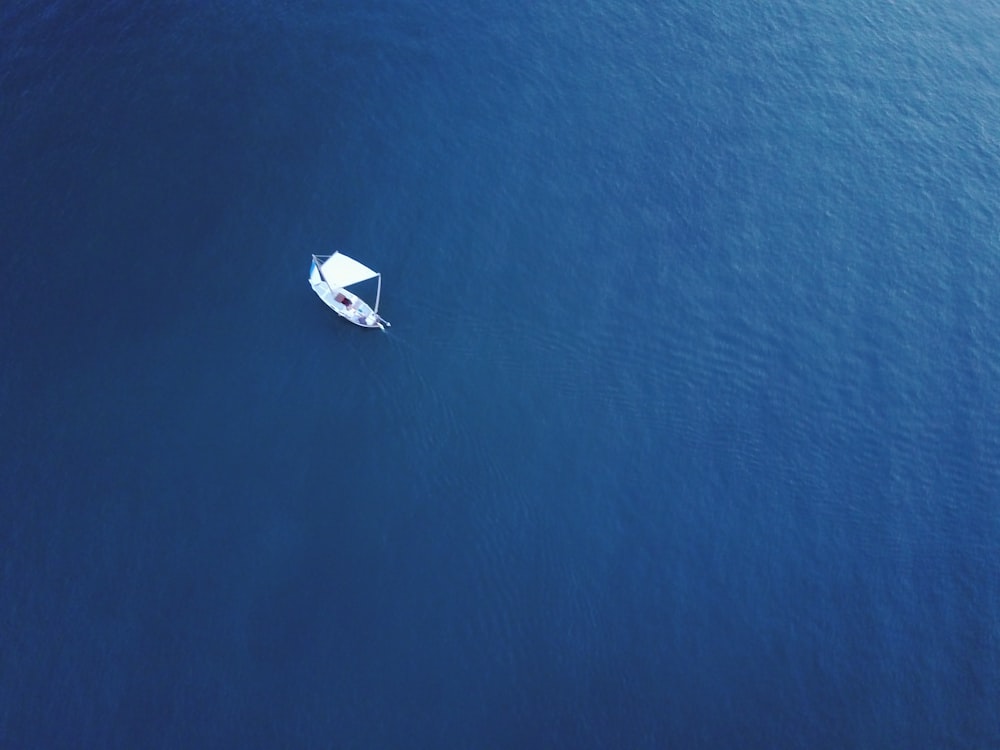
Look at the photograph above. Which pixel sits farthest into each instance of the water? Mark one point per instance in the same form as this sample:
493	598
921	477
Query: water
683	436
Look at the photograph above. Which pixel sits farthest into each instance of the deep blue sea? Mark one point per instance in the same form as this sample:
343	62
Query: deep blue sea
686	433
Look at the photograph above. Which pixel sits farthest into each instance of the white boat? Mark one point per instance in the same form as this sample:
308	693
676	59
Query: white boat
331	274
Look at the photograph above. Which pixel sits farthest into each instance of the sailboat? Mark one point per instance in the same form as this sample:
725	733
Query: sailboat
329	276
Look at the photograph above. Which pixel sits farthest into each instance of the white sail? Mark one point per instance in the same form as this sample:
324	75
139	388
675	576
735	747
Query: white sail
340	270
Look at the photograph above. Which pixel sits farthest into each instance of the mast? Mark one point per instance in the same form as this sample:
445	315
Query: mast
378	292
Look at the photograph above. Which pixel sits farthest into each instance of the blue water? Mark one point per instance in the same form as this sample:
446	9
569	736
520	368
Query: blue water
685	434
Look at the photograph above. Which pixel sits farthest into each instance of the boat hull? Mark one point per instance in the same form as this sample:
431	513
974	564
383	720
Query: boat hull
349	306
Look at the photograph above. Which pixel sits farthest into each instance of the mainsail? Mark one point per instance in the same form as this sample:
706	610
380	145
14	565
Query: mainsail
340	270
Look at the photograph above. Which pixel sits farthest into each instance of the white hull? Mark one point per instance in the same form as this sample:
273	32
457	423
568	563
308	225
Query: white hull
351	307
